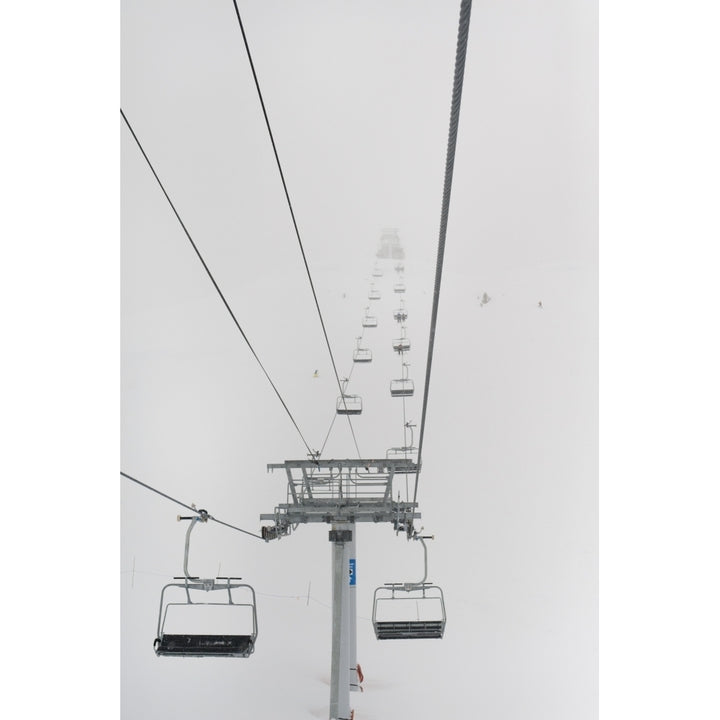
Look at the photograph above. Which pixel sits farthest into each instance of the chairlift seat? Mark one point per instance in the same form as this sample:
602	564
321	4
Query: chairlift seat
401	344
362	355
404	387
400	453
369	321
374	295
399	287
349	405
205	645
377	273
400	315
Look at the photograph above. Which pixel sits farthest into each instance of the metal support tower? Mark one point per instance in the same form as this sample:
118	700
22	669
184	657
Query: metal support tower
342	493
341	538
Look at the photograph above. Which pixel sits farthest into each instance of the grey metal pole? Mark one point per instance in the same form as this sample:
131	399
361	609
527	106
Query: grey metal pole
340	536
352	612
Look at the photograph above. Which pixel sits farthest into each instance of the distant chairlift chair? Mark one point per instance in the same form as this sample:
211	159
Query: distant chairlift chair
373	294
403	387
361	354
401	344
400	315
369	320
399	287
208	644
409	611
349	405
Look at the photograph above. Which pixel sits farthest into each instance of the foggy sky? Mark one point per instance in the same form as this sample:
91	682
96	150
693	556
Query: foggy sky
358	96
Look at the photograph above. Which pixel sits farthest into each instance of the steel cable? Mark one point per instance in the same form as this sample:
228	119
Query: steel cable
460	54
210	275
292	215
189	507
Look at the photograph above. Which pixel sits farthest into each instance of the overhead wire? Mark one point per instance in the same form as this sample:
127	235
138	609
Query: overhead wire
292	215
210	275
189	507
460	55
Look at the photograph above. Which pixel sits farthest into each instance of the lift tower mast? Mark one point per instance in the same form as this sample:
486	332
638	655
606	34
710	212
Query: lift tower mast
341	493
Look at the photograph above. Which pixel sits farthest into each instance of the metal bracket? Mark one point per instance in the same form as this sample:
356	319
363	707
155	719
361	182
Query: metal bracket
340	536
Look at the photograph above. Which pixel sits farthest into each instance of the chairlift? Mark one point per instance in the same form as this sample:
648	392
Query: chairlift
369	320
400	453
399	287
374	294
403	387
236	616
409	611
349	405
400	315
401	345
399	268
377	272
361	354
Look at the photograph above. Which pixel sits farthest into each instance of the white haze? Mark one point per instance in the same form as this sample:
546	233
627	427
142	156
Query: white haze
358	96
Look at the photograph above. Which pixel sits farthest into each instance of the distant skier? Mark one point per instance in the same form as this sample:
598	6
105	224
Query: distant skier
315	374
540	305
485	299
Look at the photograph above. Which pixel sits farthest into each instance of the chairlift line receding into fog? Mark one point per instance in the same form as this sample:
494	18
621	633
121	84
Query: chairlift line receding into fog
338	493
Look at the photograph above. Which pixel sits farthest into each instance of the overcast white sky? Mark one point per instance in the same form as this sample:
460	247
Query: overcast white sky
659	597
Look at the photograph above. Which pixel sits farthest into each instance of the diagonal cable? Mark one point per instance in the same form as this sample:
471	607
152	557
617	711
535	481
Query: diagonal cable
461	52
210	275
189	507
292	215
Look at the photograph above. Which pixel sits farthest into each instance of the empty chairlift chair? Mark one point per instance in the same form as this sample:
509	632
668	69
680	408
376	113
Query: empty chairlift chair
373	294
404	386
369	320
349	405
225	627
409	611
406	451
361	354
377	272
399	287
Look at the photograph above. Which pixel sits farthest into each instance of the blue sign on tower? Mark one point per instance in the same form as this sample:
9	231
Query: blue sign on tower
352	571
